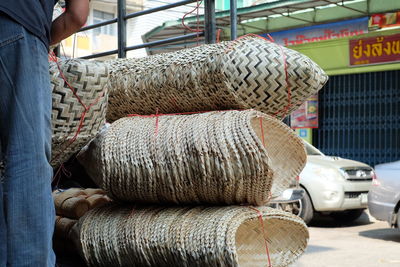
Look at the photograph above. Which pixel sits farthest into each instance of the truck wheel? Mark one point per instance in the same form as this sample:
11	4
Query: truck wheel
307	210
347	215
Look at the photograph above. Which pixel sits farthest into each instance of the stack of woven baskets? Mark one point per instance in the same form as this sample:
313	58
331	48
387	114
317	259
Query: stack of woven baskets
219	158
70	206
157	165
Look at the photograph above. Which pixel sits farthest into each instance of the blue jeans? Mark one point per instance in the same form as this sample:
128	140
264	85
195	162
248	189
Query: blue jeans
26	206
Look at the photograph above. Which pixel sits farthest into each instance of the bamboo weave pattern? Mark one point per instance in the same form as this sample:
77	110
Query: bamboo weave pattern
190	236
246	73
89	79
214	157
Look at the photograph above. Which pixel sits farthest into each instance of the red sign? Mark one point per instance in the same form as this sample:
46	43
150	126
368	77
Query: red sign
384	20
306	116
375	50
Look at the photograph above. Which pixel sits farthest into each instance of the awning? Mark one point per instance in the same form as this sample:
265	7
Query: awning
270	17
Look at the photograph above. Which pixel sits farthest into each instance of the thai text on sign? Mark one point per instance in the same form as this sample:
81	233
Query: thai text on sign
326	35
375	50
315	33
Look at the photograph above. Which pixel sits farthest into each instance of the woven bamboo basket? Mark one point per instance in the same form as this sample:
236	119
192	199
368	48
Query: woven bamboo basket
71	203
94	191
246	73
65	237
63	227
75	202
191	236
97	200
88	79
214	157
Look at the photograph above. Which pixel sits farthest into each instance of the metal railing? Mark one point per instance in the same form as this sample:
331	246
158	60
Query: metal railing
209	32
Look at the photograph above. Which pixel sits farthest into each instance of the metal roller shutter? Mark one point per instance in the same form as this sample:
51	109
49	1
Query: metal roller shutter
360	117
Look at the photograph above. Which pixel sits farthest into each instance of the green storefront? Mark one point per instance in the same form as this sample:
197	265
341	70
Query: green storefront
359	108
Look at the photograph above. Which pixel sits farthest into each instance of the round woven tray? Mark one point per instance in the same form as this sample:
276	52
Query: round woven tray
88	79
191	236
214	157
246	73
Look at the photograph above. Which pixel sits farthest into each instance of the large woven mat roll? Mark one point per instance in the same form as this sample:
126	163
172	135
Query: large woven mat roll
247	73
88	79
191	236
214	157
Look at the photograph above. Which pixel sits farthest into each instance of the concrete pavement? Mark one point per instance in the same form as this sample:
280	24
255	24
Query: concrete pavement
363	243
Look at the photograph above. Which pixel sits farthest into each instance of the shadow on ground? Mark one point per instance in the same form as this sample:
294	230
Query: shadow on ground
325	221
316	249
387	234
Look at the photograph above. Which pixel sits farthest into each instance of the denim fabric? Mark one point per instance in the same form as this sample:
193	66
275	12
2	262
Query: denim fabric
26	206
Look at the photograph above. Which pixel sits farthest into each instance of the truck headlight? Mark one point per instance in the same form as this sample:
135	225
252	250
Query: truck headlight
327	174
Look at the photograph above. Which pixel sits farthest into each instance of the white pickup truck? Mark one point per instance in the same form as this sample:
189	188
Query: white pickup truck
335	186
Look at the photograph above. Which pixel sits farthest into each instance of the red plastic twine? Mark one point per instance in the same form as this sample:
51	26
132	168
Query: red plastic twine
289	92
198	21
260	217
57	175
157	123
172	114
284	57
86	108
157	115
262	131
219	35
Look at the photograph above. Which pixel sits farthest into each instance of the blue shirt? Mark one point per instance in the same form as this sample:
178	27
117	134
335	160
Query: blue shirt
34	15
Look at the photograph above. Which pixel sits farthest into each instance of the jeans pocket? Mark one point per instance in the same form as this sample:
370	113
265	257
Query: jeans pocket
10	31
11	39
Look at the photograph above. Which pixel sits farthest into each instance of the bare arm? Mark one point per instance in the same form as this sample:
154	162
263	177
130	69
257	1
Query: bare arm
70	21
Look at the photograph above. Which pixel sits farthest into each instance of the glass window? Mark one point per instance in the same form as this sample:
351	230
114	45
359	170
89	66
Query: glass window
100	16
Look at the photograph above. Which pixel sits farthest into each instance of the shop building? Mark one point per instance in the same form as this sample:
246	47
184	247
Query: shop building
359	108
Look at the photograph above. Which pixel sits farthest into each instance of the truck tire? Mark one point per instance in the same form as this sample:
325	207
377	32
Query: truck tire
347	215
307	210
